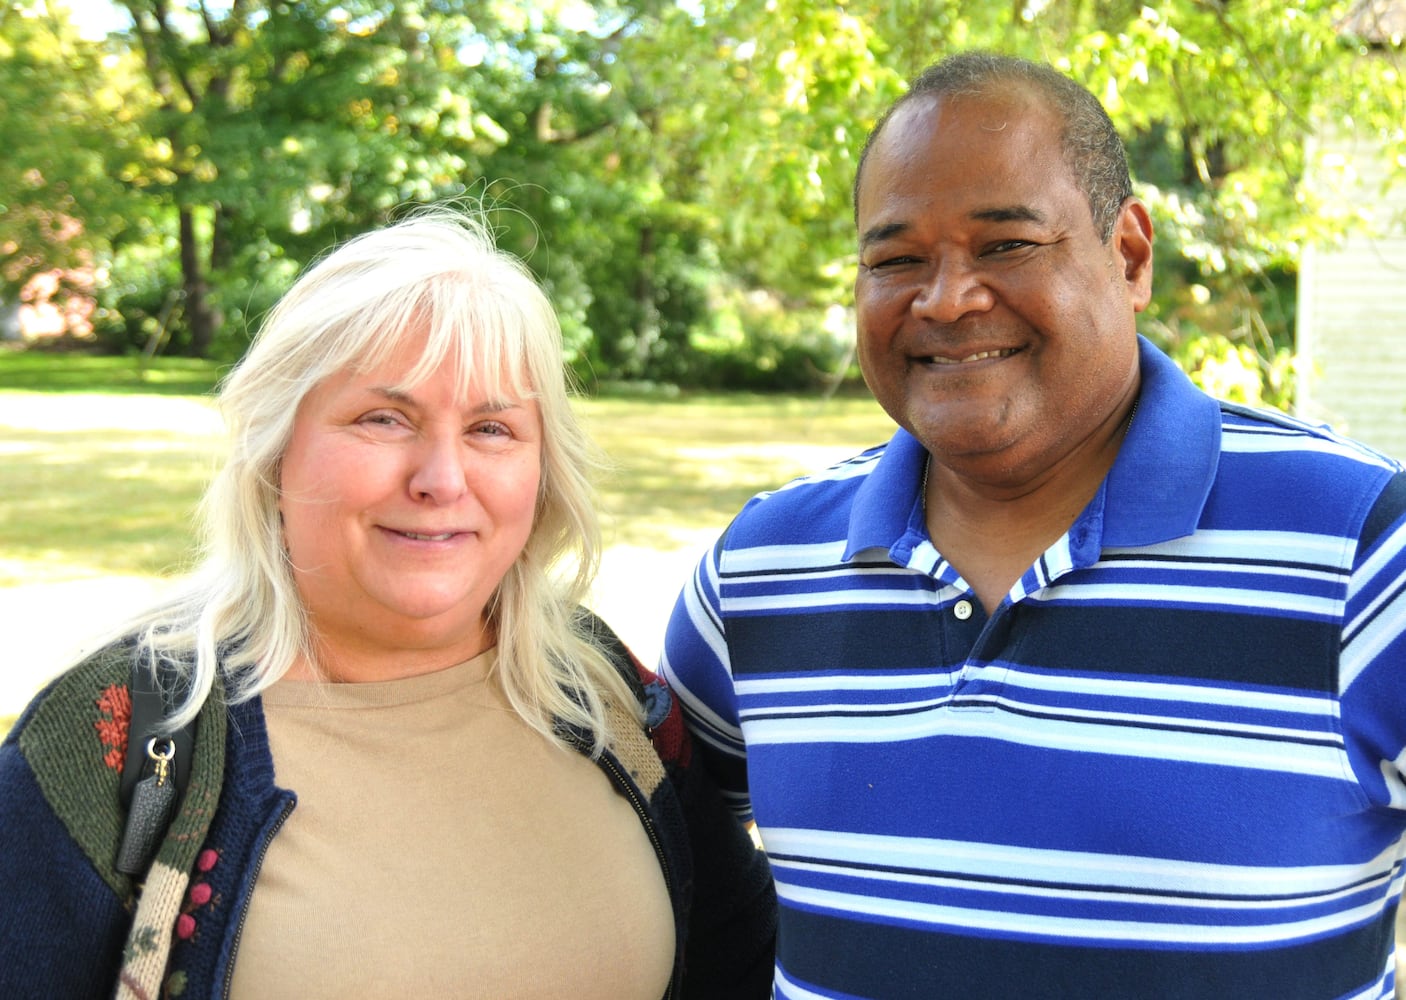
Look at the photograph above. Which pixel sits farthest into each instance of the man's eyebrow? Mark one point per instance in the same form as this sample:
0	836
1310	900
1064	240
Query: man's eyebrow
882	232
1009	213
995	213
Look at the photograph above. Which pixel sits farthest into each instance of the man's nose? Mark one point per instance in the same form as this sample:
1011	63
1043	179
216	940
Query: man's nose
952	289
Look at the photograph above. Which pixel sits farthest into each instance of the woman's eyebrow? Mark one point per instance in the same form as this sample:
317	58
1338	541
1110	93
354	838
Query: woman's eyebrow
397	395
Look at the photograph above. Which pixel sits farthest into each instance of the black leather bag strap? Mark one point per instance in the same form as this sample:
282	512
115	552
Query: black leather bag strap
613	646
157	754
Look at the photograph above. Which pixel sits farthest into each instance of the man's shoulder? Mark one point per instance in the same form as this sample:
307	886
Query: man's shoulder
1298	475
1280	455
1255	430
812	507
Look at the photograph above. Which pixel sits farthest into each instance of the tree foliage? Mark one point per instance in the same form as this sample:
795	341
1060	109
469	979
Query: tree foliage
678	173
60	108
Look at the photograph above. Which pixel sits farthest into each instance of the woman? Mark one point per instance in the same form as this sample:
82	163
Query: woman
417	767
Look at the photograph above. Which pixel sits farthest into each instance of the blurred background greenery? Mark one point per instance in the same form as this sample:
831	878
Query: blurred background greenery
676	171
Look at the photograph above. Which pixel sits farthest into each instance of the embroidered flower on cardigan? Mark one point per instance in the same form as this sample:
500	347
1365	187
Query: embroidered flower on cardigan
116	705
200	895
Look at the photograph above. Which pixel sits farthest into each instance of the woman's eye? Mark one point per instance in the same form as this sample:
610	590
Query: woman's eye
381	418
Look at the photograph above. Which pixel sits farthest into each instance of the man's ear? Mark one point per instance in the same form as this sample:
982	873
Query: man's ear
1132	242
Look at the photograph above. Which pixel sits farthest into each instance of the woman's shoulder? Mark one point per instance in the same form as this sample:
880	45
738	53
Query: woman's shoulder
663	722
94	690
70	745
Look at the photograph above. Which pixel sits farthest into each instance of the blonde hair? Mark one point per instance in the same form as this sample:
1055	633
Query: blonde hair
438	270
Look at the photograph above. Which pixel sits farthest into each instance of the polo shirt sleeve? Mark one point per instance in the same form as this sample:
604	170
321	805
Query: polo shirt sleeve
695	663
1372	664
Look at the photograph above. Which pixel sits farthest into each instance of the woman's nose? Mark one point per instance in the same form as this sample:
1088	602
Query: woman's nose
440	470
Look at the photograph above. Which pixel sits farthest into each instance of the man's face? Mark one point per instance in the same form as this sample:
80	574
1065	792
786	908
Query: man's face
994	323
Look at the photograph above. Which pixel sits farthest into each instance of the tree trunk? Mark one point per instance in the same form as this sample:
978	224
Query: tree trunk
221	249
648	331
202	319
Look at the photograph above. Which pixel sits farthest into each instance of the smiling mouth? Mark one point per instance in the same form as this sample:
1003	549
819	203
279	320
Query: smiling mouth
417	536
1004	352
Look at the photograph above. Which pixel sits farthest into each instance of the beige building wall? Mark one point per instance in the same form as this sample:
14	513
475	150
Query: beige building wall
1351	336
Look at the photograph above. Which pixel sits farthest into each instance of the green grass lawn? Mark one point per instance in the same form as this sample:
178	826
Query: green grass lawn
102	464
52	372
100	477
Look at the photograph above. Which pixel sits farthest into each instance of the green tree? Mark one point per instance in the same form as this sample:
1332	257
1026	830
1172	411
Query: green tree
61	106
1218	100
277	128
679	174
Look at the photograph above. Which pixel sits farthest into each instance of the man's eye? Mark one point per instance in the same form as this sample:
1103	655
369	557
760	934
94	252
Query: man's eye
1006	246
892	262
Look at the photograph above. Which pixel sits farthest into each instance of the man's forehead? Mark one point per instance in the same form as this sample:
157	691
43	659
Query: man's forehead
994	111
972	136
1020	176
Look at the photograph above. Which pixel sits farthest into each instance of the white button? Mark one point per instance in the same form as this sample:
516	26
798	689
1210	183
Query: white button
963	610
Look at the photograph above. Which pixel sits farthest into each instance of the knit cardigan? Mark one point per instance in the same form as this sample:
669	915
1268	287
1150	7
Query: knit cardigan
71	925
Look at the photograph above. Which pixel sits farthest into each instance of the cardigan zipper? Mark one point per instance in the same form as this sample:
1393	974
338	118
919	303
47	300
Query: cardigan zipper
623	782
287	809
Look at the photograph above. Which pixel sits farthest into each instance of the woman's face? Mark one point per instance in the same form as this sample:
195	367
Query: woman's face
403	510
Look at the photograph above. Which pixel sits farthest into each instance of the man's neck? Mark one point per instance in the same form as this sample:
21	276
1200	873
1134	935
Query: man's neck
992	531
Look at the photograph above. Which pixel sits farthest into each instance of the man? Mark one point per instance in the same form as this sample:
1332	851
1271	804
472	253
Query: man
1084	685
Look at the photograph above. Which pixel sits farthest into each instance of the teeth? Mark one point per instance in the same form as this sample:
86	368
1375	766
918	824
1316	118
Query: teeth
428	538
979	356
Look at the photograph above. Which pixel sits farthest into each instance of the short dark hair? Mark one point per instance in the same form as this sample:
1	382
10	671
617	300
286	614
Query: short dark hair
1092	148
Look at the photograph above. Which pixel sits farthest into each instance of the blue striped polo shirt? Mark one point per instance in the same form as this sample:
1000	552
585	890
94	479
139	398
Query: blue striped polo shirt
1170	764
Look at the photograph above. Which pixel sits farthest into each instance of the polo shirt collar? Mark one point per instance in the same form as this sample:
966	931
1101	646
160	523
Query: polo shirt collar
888	503
1162	476
1155	491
